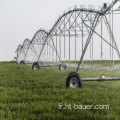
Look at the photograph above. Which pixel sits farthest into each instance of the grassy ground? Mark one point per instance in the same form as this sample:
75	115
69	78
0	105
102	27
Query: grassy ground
27	94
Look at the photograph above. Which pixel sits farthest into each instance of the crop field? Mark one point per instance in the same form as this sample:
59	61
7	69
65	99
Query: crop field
27	94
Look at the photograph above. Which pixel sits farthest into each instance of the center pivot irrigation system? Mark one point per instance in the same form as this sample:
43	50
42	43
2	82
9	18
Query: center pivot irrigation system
69	38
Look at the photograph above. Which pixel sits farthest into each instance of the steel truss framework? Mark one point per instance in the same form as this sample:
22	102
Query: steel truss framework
28	45
74	25
39	39
18	51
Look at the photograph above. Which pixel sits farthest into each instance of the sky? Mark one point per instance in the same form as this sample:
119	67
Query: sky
21	19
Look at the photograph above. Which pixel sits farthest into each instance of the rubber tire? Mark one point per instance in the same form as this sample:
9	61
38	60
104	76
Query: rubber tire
73	74
63	67
37	64
22	63
15	62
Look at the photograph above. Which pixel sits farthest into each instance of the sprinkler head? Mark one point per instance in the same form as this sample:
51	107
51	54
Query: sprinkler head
104	6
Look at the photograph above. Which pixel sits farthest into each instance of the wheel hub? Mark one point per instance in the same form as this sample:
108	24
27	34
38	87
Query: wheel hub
35	67
73	82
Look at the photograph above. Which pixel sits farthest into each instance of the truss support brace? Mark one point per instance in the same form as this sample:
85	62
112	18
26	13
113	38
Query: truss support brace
88	39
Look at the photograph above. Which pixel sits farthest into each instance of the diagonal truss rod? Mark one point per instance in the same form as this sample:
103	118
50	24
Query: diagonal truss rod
75	19
31	49
100	36
61	30
50	46
23	51
26	51
88	39
61	24
116	48
111	33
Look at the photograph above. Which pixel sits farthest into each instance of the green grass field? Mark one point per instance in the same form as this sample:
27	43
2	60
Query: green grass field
27	94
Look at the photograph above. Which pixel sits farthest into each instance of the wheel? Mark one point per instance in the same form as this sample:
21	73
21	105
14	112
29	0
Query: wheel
62	66
35	66
22	63
15	62
73	80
